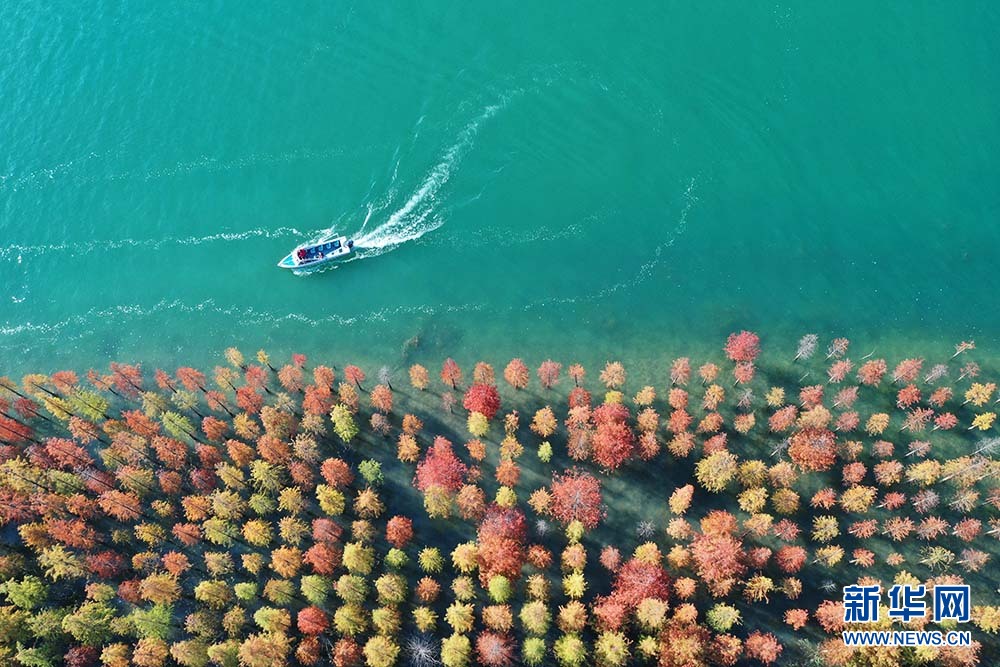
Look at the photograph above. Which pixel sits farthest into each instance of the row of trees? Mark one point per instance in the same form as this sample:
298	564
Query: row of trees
265	515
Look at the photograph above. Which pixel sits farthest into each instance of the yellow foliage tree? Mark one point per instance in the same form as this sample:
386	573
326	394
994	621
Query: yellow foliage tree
984	422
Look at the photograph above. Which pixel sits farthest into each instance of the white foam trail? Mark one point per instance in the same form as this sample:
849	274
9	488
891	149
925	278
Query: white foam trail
418	215
16	252
77	327
646	269
490	237
77	171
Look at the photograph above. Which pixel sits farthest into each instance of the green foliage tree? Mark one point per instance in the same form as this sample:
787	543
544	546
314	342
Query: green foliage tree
722	617
456	650
28	593
272	620
343	423
155	622
90	624
533	651
611	649
500	589
570	650
60	563
371	471
178	425
315	589
381	651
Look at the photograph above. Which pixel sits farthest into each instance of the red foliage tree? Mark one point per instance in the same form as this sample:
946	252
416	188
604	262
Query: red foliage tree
680	371
128	590
945	421
13	431
68	454
679	421
501	543
508	473
256	377
440	467
548	373
451	374
742	346
811	396
471	502
871	372
967	529
783	419
718	560
610	613
354	375
120	505
579	397
613	444
127	379
249	399
813	449
105	564
838	370
791	558
336	472
318	400
141	424
189	534
576	496
214	429
191	378
82	656
762	646
743	372
74	533
326	530
907	396
171	453
381	398
611	558
291	378
323	557
516	374
347	653
164	381
907	370
494	649
637	580
399	531
482	398
312	621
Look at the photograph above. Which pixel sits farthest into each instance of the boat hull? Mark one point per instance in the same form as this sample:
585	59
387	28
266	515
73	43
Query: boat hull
317	255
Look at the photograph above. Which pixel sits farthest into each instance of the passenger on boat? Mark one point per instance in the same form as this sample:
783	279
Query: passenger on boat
301	253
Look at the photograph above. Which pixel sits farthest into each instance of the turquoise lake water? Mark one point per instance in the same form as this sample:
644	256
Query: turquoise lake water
578	181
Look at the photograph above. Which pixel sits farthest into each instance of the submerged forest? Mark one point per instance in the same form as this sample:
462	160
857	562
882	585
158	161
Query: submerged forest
310	511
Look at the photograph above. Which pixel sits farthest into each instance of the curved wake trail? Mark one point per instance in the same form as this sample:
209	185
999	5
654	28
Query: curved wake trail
419	215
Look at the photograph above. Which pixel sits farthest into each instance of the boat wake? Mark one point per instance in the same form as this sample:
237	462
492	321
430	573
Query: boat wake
17	252
421	213
81	326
